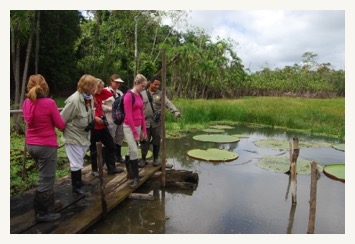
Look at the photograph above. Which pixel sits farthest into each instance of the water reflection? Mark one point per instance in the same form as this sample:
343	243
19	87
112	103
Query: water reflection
234	197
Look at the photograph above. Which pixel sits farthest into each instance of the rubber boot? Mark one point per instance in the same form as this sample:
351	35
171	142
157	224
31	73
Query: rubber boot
156	149
142	163
55	205
118	154
111	165
77	184
42	201
129	168
135	170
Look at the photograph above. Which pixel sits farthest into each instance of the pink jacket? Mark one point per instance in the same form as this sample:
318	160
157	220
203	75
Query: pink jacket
134	115
41	118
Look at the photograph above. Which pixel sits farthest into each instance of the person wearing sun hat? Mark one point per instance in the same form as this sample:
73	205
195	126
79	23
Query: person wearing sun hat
116	131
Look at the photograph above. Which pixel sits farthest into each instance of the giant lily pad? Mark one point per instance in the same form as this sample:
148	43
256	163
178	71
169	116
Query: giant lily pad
219	138
241	135
282	165
213	130
212	155
335	171
221	127
284	144
124	151
340	147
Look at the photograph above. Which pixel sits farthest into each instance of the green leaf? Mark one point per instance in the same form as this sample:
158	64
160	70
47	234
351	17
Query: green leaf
213	155
284	144
221	127
340	147
241	135
335	171
219	138
282	165
213	131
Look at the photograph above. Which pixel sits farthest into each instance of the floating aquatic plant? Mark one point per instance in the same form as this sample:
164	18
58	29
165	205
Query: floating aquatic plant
219	138
213	155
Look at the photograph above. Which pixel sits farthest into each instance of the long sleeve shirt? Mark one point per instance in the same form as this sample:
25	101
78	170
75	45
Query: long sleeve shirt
134	113
41	118
104	94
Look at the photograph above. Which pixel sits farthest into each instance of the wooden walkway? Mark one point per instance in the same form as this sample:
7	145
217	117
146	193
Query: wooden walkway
78	212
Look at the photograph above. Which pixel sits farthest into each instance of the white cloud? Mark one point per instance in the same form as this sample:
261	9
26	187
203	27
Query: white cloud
278	38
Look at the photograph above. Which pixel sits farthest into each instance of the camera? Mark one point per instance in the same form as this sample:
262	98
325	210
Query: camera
104	119
90	126
156	117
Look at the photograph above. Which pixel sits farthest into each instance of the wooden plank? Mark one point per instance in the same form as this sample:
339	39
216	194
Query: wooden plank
78	212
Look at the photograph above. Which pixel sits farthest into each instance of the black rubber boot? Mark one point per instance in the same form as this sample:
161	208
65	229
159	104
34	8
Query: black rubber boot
42	201
156	149
111	165
78	185
142	163
128	168
135	171
118	154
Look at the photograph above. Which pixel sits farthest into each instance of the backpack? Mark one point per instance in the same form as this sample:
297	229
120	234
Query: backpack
118	112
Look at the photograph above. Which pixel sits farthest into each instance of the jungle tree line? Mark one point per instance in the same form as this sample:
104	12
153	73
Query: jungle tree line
63	45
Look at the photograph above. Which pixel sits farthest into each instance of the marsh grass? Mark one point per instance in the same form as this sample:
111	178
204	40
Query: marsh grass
313	116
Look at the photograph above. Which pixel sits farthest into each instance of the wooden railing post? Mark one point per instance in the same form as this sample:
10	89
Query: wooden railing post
163	139
313	198
294	152
101	176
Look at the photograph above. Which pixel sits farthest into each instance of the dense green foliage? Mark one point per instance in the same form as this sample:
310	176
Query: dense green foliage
131	41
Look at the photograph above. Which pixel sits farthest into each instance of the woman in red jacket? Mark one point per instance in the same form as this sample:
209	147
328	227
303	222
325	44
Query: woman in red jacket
101	133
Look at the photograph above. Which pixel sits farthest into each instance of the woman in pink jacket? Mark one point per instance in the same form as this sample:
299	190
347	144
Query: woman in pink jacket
134	128
41	116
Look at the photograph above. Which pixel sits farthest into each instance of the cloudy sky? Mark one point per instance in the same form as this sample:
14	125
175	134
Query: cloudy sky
277	38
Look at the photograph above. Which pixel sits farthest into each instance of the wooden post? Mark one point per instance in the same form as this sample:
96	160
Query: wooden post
294	152
170	62
24	158
163	141
313	198
101	176
291	218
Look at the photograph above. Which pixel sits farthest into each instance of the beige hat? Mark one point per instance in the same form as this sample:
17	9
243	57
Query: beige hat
118	80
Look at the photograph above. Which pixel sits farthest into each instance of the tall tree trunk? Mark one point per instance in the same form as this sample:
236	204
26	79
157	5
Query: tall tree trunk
136	45
15	53
37	41
18	118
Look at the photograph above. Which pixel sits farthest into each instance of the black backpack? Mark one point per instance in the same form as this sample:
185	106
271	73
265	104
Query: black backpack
118	108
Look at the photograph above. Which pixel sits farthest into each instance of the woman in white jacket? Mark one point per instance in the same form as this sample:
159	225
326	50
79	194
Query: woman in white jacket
116	131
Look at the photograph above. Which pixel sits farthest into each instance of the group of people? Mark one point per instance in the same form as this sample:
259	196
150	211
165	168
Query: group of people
86	119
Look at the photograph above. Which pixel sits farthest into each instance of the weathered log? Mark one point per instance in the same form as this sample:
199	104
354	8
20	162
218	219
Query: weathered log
141	196
176	178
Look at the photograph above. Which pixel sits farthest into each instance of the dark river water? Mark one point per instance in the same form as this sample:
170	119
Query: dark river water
235	197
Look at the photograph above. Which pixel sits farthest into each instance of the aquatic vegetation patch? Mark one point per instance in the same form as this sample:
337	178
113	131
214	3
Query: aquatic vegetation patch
221	127
174	135
282	165
284	144
340	147
218	138
335	171
213	155
213	131
241	135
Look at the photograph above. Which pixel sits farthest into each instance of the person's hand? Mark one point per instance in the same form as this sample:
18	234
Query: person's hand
99	121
